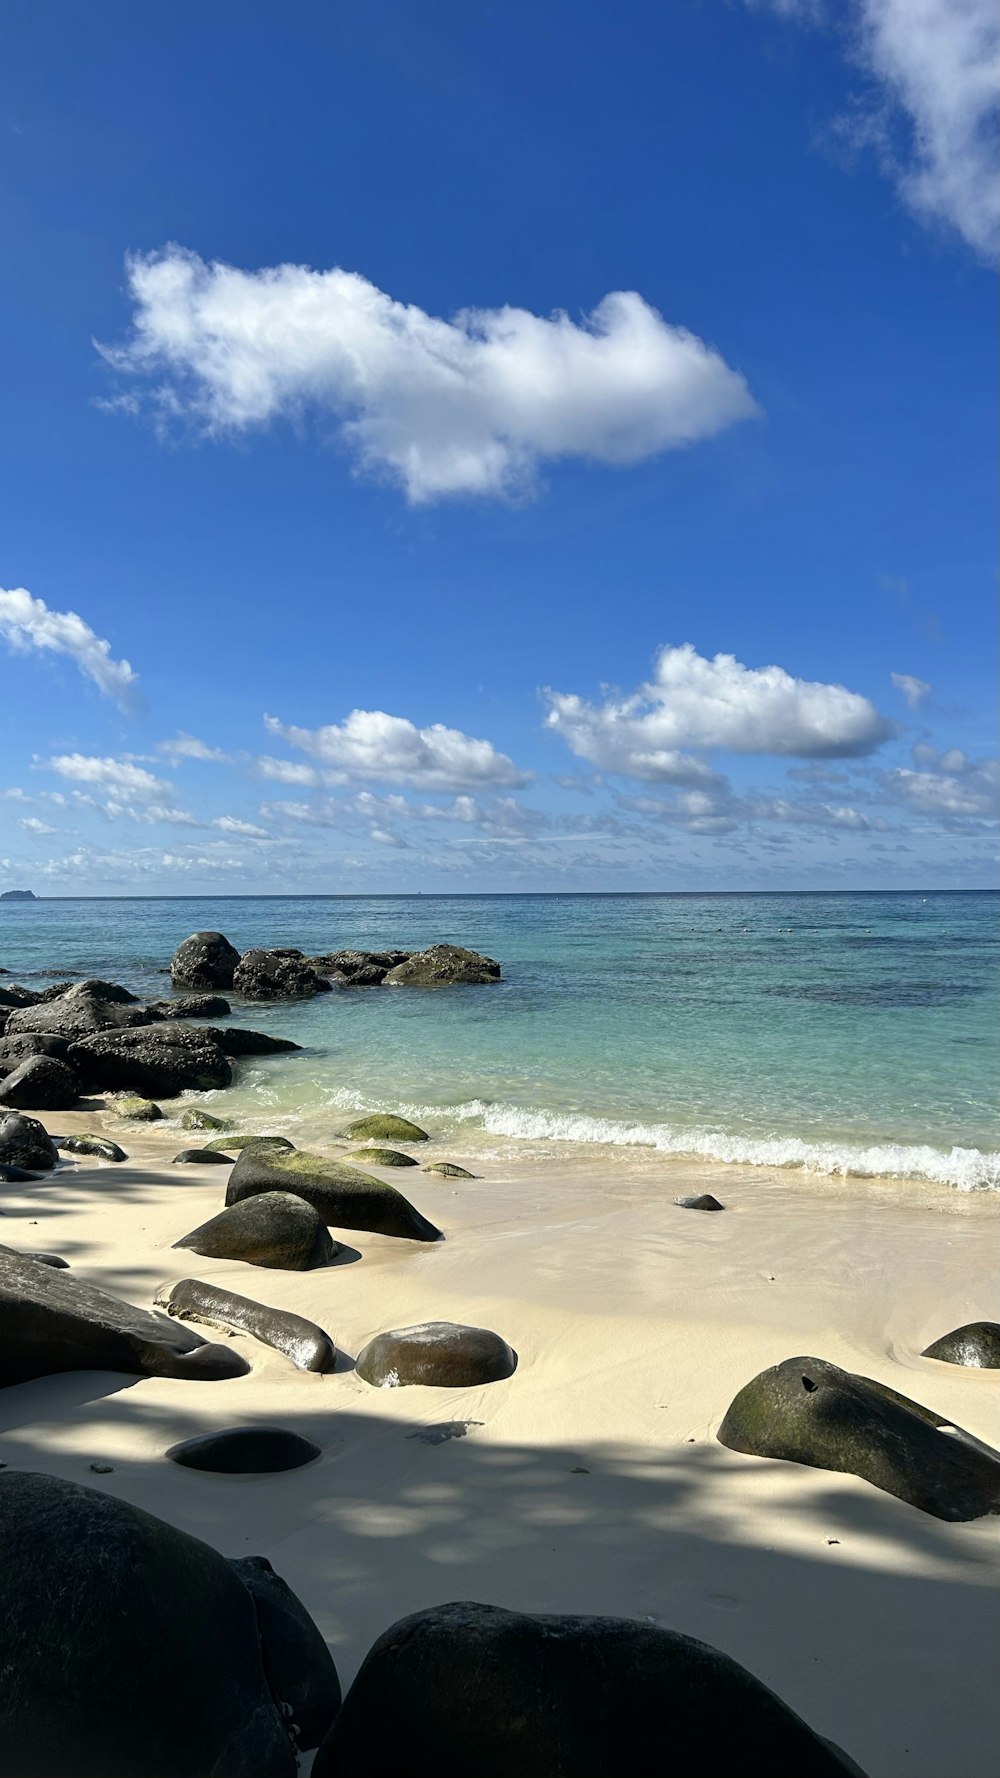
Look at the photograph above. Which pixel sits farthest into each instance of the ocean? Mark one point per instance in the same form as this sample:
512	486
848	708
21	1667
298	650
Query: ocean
853	1034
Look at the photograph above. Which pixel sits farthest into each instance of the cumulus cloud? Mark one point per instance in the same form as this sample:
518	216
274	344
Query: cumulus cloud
31	824
189	747
391	749
120	776
915	691
951	786
695	702
27	624
467	406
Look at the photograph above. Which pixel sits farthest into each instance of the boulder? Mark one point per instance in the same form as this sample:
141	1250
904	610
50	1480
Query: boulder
191	1006
441	1354
308	1347
344	1196
24	1142
48	1259
976	1345
205	960
233	1040
135	1108
15	1176
22	1044
101	1146
704	1201
276	1230
196	1119
103	1606
357	969
472	1689
80	1011
278	1143
381	1157
15	996
40	1083
276	975
299	1665
447	1170
383	1126
440	966
806	1410
161	1061
50	1322
245	1450
210	1157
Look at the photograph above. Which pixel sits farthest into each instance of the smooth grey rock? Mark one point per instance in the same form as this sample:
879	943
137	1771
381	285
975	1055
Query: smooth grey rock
704	1201
209	1157
237	1141
443	1354
245	1450
159	1062
275	1229
95	1145
448	1170
308	1347
442	965
40	1083
24	1142
381	1157
344	1196
976	1345
205	960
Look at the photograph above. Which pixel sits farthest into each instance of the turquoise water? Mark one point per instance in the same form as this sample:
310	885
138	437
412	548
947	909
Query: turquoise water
844	1033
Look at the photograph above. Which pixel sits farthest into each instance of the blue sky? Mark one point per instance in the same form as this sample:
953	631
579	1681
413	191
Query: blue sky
510	447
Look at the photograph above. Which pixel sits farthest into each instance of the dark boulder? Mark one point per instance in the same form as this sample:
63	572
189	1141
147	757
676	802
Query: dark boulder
24	1142
22	1044
205	960
101	1146
191	1006
298	1664
345	1197
442	965
447	1170
102	1609
384	1126
806	1410
704	1201
278	1143
381	1157
976	1345
50	1322
245	1450
276	1229
15	997
81	1010
308	1347
196	1119
276	975
442	1354
357	969
40	1083
15	1176
468	1689
209	1157
161	1061
234	1040
49	1259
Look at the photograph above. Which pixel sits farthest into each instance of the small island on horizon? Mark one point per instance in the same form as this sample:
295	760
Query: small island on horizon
18	895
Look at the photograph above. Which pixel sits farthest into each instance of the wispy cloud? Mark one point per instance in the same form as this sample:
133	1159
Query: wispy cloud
27	624
189	747
947	784
120	776
467	406
915	691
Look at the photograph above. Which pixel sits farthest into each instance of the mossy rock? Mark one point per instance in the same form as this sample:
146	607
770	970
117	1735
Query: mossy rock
280	1144
345	1197
101	1146
448	1170
134	1107
384	1126
381	1157
196	1119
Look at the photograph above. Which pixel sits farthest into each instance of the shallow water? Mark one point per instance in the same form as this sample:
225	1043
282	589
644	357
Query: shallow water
841	1033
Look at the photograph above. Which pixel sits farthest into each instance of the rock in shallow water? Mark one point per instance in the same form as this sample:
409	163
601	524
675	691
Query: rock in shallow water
384	1126
447	1170
245	1450
158	1061
205	960
704	1201
976	1345
235	1142
343	1196
466	1690
208	1157
139	1651
135	1108
196	1119
273	1229
806	1410
95	1145
24	1142
276	975
308	1347
443	1354
381	1157
442	965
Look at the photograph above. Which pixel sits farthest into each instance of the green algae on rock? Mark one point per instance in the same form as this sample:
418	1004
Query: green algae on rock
381	1157
345	1197
448	1170
384	1126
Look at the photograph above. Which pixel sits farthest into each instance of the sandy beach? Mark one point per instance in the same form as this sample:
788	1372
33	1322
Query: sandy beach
592	1480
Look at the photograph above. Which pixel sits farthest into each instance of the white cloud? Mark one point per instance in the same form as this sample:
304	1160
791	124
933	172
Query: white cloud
230	824
189	747
954	787
119	776
31	824
915	691
391	749
467	406
26	623
290	771
695	702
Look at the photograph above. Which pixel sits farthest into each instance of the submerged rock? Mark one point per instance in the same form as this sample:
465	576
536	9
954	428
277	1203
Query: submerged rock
50	1322
381	1157
806	1410
344	1196
40	1083
447	1170
384	1126
275	1229
440	1353
160	1061
205	960
468	1689
704	1201
24	1142
100	1146
210	1157
441	965
245	1450
976	1345
102	1609
276	975
196	1119
308	1347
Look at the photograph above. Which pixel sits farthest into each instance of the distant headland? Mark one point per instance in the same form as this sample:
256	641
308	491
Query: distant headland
18	895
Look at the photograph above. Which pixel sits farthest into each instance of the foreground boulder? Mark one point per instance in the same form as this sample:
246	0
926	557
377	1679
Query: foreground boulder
101	1610
808	1411
245	1450
344	1197
80	1010
159	1062
205	960
40	1083
384	1126
276	975
976	1345
440	966
469	1689
275	1229
308	1347
439	1353
24	1142
51	1322
357	969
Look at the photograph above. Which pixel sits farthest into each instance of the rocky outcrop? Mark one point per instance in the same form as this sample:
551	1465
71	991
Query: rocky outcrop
40	1083
442	965
160	1061
308	1347
19	1045
24	1142
383	1126
441	1354
99	1146
276	1230
233	1040
54	1322
381	1157
190	1006
245	1450
276	975
345	1197
205	960
101	1612
806	1410
976	1345
81	1010
357	969
468	1688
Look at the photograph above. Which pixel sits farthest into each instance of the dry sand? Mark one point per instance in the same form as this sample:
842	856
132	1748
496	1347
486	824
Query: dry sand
592	1480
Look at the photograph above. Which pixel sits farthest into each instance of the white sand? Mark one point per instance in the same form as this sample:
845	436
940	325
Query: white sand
591	1481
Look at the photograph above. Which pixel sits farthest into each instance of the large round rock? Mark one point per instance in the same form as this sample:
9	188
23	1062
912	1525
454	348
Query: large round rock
345	1197
976	1345
205	960
40	1083
131	1650
272	1229
469	1689
24	1142
440	1353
